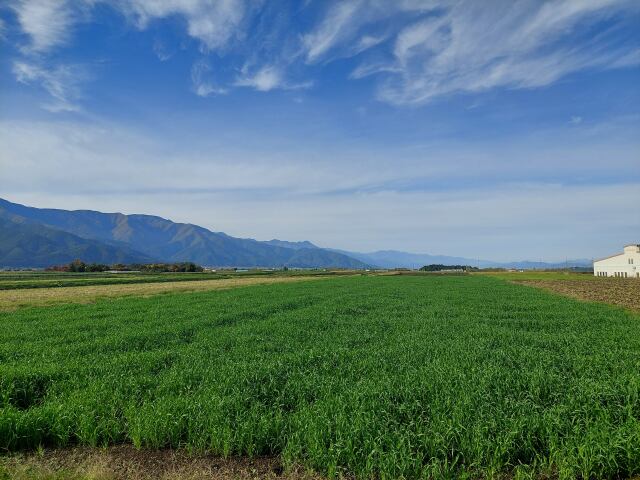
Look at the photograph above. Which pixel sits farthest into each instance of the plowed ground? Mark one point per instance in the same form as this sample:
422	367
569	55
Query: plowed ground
615	291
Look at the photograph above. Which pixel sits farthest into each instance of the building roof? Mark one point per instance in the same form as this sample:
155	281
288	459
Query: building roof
617	254
607	258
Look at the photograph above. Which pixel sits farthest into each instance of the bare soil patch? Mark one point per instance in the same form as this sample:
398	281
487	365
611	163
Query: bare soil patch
125	462
615	291
13	299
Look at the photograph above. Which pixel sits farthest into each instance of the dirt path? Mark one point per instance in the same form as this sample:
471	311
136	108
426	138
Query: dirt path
615	291
125	462
13	299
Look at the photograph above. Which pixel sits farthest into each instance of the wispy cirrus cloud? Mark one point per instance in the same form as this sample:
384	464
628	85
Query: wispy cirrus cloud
340	22
213	23
473	46
161	50
351	27
48	25
265	79
268	78
202	80
418	50
46	22
440	47
62	82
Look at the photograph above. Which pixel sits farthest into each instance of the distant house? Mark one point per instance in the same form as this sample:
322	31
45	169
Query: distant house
624	265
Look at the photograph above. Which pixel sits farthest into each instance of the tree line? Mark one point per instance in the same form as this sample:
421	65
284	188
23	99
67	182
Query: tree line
78	266
436	267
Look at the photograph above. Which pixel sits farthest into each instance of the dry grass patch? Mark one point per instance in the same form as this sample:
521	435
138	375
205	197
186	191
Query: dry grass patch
125	462
615	291
14	299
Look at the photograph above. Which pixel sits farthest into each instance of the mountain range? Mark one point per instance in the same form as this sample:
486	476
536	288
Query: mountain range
395	259
34	237
40	237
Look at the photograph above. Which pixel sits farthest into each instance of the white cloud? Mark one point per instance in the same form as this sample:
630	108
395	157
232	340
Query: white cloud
47	22
62	82
421	49
265	79
119	155
202	81
161	50
341	21
212	22
368	41
339	30
429	34
629	59
367	69
269	78
443	47
474	47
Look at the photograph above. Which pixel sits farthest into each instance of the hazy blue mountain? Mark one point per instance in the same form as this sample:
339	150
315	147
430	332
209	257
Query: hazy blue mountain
33	245
529	265
310	257
164	240
119	238
295	245
397	259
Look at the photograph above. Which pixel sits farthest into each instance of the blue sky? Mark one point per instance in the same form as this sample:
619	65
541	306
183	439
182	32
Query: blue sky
499	129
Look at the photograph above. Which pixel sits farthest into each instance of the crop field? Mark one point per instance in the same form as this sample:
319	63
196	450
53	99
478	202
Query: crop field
623	292
29	280
18	298
541	275
365	376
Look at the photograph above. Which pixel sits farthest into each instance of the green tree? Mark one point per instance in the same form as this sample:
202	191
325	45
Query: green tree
77	266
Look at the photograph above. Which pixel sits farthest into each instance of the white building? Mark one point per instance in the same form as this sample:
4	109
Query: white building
625	265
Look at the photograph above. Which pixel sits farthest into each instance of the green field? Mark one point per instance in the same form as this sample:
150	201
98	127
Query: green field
27	280
20	280
415	376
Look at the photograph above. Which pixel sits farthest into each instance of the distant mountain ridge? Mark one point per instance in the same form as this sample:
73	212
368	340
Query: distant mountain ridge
398	259
26	244
294	245
144	238
34	237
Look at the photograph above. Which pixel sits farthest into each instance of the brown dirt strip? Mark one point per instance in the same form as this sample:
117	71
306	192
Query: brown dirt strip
614	291
125	462
14	299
